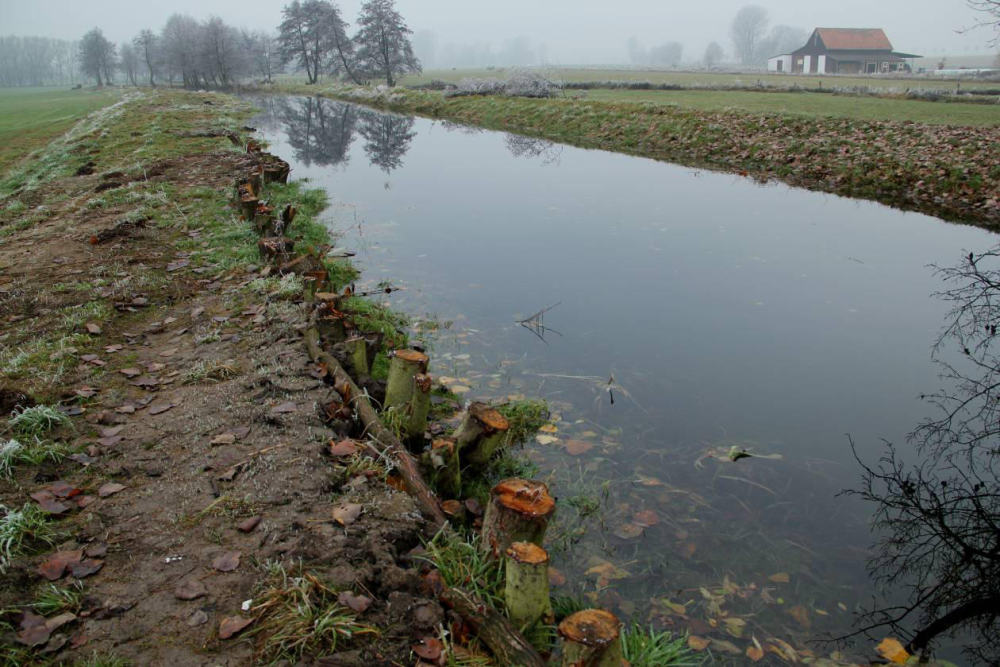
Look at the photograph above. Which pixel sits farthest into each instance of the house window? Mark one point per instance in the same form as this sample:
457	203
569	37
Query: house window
798	61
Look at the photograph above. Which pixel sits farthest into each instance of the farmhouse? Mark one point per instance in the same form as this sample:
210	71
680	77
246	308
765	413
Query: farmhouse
843	51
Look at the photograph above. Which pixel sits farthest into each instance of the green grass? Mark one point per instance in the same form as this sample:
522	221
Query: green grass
812	105
37	420
31	117
102	660
368	315
463	565
702	78
21	530
53	599
525	418
13	453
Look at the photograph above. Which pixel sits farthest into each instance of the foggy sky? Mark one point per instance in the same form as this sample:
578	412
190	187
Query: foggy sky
575	31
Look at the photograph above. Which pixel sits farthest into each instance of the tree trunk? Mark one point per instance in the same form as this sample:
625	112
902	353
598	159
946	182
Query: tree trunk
357	349
502	638
519	511
406	466
527	586
480	433
591	638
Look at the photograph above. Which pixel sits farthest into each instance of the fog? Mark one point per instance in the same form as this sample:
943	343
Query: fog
559	31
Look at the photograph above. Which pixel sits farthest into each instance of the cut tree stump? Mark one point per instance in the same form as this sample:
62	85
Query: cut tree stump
408	392
480	433
527	586
406	466
508	646
592	638
519	511
441	460
357	351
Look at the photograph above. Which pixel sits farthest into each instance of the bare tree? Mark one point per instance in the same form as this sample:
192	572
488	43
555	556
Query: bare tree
668	54
782	39
223	58
990	10
383	41
147	45
713	54
98	57
747	30
314	36
129	60
939	521
179	40
262	50
36	61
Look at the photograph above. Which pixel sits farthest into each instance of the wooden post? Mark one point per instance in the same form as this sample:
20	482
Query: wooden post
527	586
357	350
593	638
409	390
441	461
480	433
519	511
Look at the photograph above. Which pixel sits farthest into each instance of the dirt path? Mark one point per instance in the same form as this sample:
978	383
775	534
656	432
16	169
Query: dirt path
191	480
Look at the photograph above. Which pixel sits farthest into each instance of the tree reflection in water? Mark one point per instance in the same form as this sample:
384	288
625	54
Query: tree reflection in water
320	132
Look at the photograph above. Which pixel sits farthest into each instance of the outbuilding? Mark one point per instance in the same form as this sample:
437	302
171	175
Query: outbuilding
843	51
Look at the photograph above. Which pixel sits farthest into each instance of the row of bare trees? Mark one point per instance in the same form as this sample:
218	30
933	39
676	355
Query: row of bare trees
37	61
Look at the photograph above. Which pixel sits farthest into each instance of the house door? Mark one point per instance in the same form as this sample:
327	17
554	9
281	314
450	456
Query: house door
781	64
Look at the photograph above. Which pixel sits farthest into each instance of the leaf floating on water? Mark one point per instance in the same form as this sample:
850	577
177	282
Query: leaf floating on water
549	428
577	447
755	652
734	626
460	389
892	650
629	531
649	481
698	643
801	614
546	439
780	578
646	518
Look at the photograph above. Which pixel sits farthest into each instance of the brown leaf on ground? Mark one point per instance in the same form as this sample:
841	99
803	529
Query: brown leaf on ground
63	489
346	513
231	625
227	562
33	630
248	525
94	328
343	448
284	408
190	589
429	648
169	352
130	372
223	439
110	489
86	567
160	408
197	618
241	432
86	392
357	603
47	501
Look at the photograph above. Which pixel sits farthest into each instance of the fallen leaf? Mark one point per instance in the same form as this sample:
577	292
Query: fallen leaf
892	650
284	408
232	625
109	489
63	489
190	589
698	643
646	518
343	448
85	392
429	648
159	408
755	653
227	562
93	328
357	603
801	614
169	352
241	432
224	439
546	439
548	428
725	646
47	501
248	525
346	513
130	372
780	578
577	447
197	618
86	567
460	388
629	531
556	578
55	566
734	626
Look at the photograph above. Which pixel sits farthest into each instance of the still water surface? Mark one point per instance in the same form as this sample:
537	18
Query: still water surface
727	313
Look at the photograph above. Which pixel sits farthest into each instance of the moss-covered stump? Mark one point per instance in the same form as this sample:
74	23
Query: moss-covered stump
526	589
593	638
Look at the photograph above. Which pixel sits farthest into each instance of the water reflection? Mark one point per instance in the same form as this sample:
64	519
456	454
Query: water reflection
387	138
319	133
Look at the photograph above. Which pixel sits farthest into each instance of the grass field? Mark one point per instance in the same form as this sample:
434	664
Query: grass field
31	117
709	78
813	104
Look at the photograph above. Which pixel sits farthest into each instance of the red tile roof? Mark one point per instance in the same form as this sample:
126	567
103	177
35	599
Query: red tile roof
855	39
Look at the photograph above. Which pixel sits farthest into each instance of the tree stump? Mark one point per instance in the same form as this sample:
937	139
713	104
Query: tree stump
527	586
593	638
276	248
248	207
408	390
519	511
331	328
442	464
357	352
481	432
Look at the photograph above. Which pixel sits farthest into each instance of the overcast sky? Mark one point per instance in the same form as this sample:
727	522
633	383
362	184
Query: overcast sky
575	31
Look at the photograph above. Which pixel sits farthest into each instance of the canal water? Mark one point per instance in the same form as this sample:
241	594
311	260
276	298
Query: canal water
688	313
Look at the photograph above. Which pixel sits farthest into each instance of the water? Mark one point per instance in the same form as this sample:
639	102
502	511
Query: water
718	312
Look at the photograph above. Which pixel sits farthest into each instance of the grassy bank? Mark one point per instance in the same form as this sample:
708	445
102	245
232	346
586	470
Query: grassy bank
31	117
942	170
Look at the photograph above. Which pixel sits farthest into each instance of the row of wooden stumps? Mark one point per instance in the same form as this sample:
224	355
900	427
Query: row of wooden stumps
514	526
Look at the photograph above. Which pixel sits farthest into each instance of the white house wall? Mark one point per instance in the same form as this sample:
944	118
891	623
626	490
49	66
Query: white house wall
821	65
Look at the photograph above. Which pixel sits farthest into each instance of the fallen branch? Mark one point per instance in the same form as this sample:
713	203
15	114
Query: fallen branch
405	463
502	638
